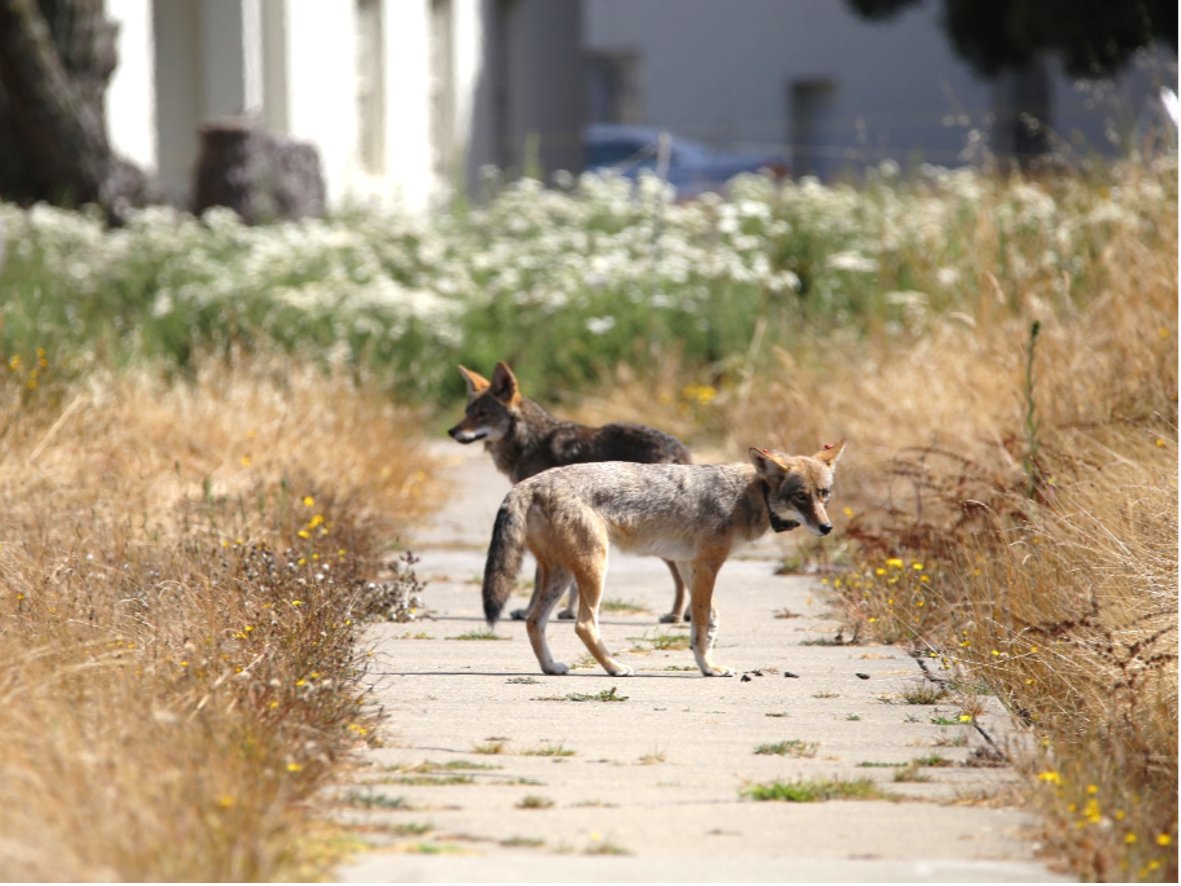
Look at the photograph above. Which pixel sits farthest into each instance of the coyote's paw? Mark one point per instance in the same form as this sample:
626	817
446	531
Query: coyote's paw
556	669
621	670
519	614
717	671
669	618
567	615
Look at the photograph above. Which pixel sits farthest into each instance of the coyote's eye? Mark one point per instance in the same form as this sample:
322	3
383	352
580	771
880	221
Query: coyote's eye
824	494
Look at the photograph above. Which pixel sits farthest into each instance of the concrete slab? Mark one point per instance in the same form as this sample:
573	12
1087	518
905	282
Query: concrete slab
493	772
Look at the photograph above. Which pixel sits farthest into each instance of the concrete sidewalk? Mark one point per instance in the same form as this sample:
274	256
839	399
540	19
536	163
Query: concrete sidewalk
491	771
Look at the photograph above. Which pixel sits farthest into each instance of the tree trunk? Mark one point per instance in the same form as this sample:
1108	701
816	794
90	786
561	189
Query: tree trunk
56	57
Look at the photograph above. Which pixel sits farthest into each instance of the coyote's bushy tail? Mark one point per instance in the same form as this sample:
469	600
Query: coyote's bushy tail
505	553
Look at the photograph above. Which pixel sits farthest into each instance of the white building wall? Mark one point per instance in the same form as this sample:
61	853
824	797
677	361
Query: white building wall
131	95
468	42
408	178
321	86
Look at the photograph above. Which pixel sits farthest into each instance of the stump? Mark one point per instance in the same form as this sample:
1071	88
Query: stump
260	176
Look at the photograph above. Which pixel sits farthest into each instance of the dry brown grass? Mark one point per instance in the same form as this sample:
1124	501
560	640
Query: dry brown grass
1055	581
1040	561
181	572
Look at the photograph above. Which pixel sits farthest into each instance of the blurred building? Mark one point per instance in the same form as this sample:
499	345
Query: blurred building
835	91
406	99
403	99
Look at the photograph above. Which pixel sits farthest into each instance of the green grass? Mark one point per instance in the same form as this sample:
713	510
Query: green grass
406	299
790	748
623	607
427	767
534	801
432	780
819	791
549	750
607	695
409	829
371	800
479	635
924	694
522	843
491	746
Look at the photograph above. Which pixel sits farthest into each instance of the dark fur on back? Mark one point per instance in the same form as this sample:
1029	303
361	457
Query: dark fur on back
537	441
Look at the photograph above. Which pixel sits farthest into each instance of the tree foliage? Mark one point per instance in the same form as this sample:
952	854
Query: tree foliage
1095	38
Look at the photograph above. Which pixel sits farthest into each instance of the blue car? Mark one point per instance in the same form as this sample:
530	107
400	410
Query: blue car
693	168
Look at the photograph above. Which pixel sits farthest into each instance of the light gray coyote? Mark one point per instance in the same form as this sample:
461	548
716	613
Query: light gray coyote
692	515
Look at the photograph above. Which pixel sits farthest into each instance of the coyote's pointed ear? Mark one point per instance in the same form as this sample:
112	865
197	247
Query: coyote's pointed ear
504	385
767	463
476	383
830	453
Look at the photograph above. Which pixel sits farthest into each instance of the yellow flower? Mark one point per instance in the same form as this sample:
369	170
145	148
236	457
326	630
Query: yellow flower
917	567
315	521
309	502
1092	789
246	461
848	512
294	767
965	718
879	571
297	603
225	801
1129	838
15	363
1050	776
303	533
894	563
1163	840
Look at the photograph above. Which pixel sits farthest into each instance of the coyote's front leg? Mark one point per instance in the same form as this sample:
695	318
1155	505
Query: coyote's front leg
701	576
